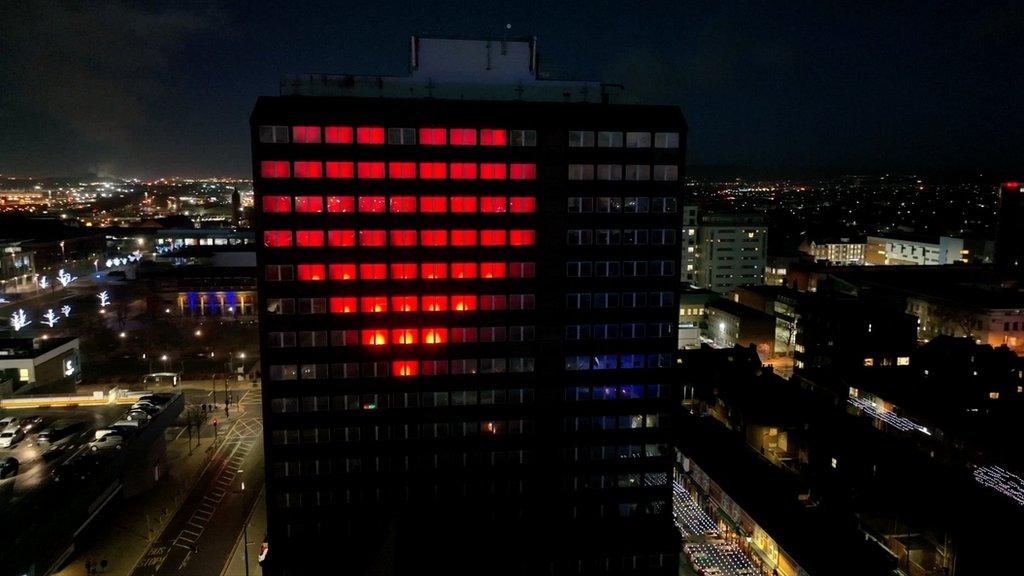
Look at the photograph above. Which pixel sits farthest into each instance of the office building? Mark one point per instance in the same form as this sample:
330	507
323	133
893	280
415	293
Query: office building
468	298
1009	248
909	250
722	251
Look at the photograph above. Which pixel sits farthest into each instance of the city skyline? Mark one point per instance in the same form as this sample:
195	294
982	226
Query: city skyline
835	89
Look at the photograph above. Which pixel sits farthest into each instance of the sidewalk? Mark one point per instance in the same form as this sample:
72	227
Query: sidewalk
122	534
257	529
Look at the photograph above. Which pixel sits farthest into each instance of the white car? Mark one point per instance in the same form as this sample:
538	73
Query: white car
11	436
138	415
110	440
9	421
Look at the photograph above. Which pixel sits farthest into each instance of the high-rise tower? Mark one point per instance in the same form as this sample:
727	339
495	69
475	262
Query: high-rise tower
468	305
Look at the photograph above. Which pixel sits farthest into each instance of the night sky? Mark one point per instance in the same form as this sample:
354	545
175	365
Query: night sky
126	89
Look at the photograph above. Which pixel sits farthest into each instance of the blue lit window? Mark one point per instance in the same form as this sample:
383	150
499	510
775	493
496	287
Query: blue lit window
605	362
630	361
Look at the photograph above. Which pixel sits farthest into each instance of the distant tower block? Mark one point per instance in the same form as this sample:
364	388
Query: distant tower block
236	208
1009	246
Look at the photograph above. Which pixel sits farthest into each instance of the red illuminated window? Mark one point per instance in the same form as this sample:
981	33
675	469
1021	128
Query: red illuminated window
373	238
343	305
306	134
404	303
277	204
522	237
343	170
404	368
338	134
370	170
404	336
433	136
370	135
433	204
435	335
372	204
374	337
341	204
522	269
464	270
433	170
493	204
434	303
493	137
523	171
373	271
341	238
308	169
403	271
493	238
490	171
309	204
342	272
275	169
522	204
433	271
309	238
463	203
373	304
463	302
401	170
463	237
462	137
492	269
463	171
402	204
277	238
312	272
433	237
403	237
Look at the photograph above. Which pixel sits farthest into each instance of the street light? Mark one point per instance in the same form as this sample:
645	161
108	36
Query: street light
164	358
199	333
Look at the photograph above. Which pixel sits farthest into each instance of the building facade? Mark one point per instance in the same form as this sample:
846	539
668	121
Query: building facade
722	251
897	251
467	315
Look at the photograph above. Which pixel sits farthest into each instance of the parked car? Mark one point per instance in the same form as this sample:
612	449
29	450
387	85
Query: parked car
9	421
11	436
31	423
58	431
74	469
147	408
107	441
155	399
8	467
103	432
138	415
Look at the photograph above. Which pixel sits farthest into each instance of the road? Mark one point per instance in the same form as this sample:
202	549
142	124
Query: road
200	537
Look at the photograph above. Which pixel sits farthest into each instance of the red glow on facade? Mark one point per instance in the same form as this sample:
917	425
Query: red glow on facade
373	271
403	237
464	270
338	134
277	204
311	272
404	336
463	171
493	171
342	272
433	270
404	303
492	269
493	204
308	169
370	135
277	238
464	238
373	238
433	204
463	203
433	237
493	238
374	204
343	305
435	303
341	238
370	170
523	171
522	204
522	237
433	170
493	137
435	335
309	204
464	302
309	238
374	337
433	136
462	137
401	170
404	271
305	134
341	170
402	204
403	368
341	204
373	304
275	169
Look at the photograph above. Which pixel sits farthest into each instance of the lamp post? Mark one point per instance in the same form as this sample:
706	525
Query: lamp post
245	536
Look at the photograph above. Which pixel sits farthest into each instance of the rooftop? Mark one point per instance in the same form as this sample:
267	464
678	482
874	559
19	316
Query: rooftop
21	348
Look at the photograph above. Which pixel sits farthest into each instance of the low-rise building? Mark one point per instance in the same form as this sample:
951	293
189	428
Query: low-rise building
906	250
29	363
731	324
692	315
840	251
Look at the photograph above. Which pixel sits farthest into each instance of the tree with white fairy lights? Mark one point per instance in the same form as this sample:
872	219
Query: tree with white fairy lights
43	282
64	278
66	310
19	320
104	299
50	318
